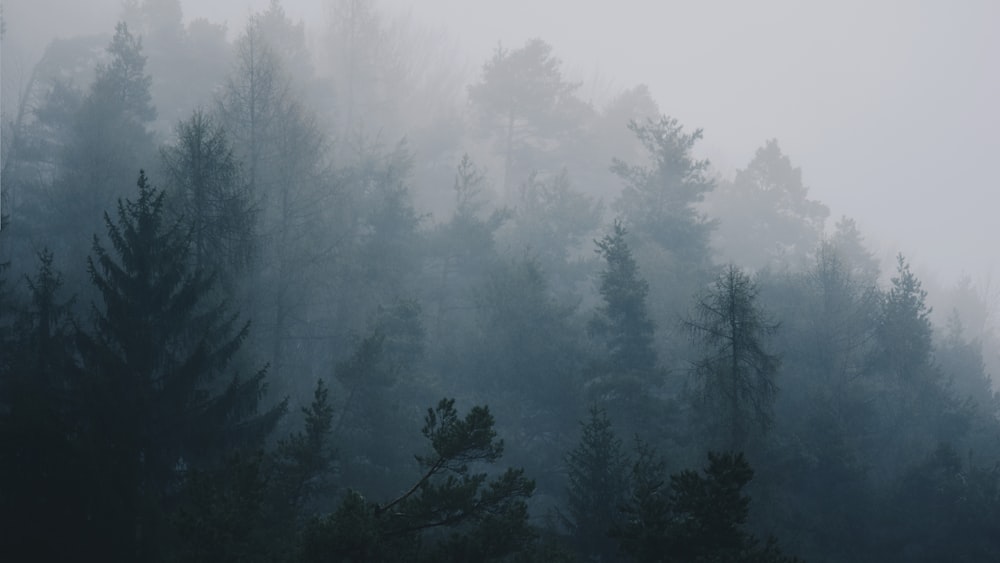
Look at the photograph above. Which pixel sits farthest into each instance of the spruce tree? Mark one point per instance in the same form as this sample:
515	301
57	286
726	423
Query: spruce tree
157	386
597	476
623	320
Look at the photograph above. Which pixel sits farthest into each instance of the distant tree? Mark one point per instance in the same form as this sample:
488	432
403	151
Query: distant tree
597	482
153	400
659	201
904	334
462	251
766	218
527	349
622	321
552	221
623	376
850	245
209	196
283	157
523	96
123	82
961	361
735	372
106	136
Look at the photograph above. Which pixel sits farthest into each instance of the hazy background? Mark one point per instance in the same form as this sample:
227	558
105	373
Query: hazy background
890	108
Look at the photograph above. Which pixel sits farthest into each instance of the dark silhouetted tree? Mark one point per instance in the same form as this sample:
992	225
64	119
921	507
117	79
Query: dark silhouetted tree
597	475
155	374
622	321
693	518
735	372
487	517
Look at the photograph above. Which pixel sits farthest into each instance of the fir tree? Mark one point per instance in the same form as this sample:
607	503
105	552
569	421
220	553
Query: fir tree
596	472
155	369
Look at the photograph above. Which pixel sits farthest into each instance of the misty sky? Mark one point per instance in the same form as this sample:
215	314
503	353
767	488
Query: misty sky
890	108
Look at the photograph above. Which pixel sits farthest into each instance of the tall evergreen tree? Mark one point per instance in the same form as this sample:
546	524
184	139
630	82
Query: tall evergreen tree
904	333
735	371
622	320
210	196
152	368
39	456
597	474
659	202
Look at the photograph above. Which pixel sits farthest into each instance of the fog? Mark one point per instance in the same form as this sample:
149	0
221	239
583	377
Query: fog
539	207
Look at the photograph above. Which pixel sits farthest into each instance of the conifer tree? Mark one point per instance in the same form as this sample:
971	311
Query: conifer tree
157	388
38	455
597	476
735	371
623	320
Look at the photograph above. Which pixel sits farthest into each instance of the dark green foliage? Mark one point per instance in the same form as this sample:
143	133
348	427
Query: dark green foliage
735	371
304	460
622	321
526	349
943	509
696	518
596	470
485	519
39	456
222	514
154	372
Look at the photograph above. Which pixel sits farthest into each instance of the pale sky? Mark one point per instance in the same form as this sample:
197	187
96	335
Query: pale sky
891	108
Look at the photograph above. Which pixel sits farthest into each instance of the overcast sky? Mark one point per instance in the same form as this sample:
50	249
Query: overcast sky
891	109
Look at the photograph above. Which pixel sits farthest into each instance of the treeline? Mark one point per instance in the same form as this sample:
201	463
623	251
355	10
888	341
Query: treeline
242	355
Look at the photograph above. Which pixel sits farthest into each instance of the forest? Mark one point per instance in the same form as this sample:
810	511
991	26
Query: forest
265	298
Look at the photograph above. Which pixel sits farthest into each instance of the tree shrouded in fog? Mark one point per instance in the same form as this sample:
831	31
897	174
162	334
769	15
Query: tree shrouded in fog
735	371
524	97
659	201
209	195
307	160
904	333
766	217
622	321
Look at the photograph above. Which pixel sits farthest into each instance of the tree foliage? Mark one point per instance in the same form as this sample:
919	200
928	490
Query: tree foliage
735	371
